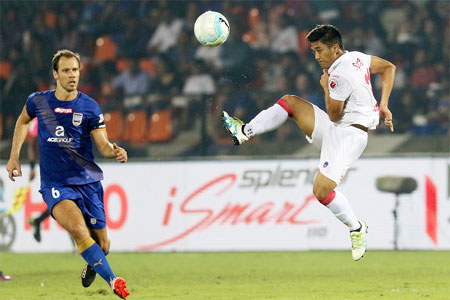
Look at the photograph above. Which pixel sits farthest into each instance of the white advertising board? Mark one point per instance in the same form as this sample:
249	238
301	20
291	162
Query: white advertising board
247	205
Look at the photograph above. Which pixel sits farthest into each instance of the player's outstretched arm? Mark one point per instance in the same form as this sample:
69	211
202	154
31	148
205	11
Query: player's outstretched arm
108	149
387	71
20	133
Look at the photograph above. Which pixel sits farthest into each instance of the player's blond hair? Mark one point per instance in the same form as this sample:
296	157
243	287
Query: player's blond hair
64	53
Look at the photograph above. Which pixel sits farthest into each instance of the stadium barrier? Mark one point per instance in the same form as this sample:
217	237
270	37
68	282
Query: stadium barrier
249	205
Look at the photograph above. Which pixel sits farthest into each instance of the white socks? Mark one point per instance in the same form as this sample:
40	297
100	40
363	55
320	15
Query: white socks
340	207
267	120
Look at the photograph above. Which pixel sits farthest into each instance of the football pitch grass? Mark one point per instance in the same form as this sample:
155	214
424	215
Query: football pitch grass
327	275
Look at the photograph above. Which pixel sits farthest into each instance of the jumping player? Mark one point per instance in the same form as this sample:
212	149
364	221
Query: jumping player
70	180
341	132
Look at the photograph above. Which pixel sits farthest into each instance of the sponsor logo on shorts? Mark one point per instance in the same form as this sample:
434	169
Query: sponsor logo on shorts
93	221
325	164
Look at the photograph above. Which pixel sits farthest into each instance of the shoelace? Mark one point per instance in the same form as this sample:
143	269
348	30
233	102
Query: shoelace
357	241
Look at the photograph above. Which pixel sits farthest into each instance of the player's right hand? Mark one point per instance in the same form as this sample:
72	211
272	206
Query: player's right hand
14	169
387	115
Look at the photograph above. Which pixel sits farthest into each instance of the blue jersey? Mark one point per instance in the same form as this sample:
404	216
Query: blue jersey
64	135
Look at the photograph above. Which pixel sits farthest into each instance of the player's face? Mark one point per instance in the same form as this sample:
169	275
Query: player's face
68	73
324	54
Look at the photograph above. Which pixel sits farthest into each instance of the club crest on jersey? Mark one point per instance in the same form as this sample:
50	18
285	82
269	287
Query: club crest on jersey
333	84
77	118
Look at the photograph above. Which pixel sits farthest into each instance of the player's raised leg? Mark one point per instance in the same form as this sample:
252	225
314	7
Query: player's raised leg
69	216
272	118
337	203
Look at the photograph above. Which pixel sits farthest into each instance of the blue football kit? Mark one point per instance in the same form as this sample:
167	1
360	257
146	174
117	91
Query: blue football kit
66	161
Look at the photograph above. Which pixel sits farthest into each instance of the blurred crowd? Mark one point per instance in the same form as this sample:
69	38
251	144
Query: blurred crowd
142	55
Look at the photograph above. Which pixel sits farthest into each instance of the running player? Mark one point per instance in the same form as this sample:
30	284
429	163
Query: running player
70	180
341	132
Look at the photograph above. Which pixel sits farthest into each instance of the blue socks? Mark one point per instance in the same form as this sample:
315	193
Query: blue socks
94	256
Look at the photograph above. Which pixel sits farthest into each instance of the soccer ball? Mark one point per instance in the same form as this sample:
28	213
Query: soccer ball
211	29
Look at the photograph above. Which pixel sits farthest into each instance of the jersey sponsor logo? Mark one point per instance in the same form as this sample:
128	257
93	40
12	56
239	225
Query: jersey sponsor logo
77	118
358	64
59	132
61	110
59	140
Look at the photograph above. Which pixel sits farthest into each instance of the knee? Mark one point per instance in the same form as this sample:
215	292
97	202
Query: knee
290	99
79	232
104	244
321	191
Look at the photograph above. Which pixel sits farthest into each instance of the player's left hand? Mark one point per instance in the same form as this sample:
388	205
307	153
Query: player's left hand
387	115
120	153
324	80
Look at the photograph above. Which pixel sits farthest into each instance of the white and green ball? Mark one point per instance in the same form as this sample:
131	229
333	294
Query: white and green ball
211	29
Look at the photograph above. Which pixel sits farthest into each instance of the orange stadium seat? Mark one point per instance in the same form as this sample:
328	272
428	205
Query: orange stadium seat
114	124
136	127
160	126
50	19
5	69
105	48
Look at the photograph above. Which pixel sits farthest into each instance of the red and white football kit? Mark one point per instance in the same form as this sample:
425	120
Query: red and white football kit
340	142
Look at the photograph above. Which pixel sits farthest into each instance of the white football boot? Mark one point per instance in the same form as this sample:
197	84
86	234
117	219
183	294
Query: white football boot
359	241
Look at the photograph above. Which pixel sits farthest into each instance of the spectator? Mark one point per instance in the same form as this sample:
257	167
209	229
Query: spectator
166	34
134	84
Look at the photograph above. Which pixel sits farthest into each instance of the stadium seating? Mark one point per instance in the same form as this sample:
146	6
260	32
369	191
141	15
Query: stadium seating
5	69
114	125
160	126
136	127
105	49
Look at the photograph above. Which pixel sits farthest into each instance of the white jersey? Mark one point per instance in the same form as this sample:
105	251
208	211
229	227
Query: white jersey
349	81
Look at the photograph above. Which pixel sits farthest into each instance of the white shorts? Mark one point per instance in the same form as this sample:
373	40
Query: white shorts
339	146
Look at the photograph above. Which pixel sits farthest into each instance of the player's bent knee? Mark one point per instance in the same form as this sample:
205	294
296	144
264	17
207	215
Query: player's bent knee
79	232
285	105
322	191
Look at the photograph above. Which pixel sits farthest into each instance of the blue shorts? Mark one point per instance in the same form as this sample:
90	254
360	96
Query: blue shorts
88	197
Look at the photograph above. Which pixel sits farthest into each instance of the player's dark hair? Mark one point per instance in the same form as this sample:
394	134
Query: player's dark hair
65	53
327	34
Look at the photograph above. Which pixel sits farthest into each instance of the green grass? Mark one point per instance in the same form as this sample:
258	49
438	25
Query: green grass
328	275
